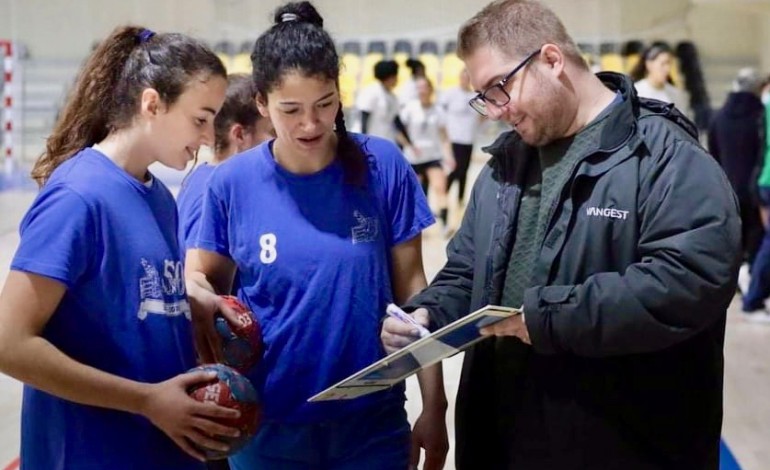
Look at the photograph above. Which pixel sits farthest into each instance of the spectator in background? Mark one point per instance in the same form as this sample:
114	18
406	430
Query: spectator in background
462	125
764	175
735	140
652	77
759	287
409	89
425	122
695	84
379	106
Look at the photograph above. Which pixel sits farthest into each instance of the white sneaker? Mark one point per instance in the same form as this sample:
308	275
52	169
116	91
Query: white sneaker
757	316
744	278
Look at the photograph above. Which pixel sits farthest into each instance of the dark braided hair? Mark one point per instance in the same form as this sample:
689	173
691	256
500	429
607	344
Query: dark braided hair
297	42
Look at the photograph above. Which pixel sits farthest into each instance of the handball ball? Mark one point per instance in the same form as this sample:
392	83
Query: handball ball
232	390
241	343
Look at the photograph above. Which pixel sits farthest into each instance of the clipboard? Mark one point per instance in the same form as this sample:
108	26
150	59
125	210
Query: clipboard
396	367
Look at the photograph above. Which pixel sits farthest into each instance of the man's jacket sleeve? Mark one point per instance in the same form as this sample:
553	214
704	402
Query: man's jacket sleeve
689	250
448	297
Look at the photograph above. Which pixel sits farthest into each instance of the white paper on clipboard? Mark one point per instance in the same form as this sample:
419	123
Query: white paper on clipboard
392	369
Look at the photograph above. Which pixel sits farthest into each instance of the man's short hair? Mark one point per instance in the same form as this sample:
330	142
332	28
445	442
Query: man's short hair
747	80
516	28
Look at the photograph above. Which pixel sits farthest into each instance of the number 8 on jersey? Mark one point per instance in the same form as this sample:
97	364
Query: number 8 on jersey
268	243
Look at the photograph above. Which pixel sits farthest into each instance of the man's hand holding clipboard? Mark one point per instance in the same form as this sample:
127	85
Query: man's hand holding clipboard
410	349
511	326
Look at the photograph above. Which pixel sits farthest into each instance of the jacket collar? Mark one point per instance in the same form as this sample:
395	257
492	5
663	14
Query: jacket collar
622	120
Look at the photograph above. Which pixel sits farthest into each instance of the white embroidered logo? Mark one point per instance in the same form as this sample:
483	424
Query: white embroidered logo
607	212
153	289
366	230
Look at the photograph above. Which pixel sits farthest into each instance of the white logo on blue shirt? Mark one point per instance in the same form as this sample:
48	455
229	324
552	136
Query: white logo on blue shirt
367	229
153	291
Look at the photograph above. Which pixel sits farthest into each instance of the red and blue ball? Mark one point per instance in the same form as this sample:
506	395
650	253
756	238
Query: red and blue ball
232	390
242	345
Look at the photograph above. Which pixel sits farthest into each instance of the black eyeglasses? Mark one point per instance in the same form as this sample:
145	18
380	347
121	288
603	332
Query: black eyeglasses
496	93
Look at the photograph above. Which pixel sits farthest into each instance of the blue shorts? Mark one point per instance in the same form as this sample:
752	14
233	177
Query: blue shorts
375	439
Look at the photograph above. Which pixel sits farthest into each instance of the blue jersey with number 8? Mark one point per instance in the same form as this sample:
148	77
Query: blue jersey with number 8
313	258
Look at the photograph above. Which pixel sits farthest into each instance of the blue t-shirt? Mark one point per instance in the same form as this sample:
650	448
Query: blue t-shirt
313	256
112	241
189	201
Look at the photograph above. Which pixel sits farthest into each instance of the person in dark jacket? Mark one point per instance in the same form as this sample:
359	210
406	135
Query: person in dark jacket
735	140
618	235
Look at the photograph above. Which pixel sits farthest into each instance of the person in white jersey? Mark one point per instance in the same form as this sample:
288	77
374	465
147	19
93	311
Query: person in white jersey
379	105
462	126
425	123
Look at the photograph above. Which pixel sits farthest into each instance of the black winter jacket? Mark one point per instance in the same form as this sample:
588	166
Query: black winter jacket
735	140
627	309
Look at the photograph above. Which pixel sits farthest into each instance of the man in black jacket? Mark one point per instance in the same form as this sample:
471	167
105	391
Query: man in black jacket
735	140
617	234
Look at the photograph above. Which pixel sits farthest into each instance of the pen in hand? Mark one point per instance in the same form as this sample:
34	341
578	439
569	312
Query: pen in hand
394	311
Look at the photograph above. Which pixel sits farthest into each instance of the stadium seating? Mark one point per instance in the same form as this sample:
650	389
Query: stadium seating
442	65
350	72
402	51
590	54
375	52
631	51
428	55
225	51
241	62
451	66
610	59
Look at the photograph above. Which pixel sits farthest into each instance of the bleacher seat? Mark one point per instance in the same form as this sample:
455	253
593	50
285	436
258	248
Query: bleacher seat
241	62
428	55
451	66
350	72
352	47
375	52
609	57
402	51
631	52
225	51
589	53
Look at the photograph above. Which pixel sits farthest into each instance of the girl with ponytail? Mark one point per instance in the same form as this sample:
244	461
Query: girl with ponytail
93	316
324	229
